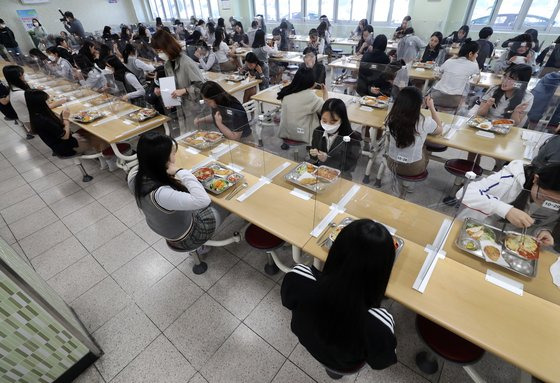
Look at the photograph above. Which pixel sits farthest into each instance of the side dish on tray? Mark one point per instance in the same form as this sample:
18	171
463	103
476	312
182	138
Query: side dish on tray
311	177
200	139
217	178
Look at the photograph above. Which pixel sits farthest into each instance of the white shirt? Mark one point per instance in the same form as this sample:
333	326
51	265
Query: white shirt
207	63
413	153
455	74
222	53
64	69
17	99
171	199
503	104
133	81
147	68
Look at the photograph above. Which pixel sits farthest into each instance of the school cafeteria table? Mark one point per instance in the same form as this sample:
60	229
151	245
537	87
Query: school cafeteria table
519	329
229	85
285	57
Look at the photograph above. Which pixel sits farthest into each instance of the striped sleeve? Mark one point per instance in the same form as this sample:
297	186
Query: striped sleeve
297	282
384	317
381	340
304	271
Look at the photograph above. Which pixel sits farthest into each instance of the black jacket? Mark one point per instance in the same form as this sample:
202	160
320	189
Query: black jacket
342	156
7	38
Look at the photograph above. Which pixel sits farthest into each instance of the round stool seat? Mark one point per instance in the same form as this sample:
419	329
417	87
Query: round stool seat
459	167
416	178
261	239
445	343
123	147
435	148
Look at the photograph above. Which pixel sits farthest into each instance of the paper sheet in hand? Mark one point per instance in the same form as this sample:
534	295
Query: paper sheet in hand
167	86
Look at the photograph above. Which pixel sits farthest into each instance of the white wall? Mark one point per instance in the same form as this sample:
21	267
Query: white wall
94	14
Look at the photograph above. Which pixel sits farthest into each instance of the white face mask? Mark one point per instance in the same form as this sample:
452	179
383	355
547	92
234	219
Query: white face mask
163	56
51	57
36	24
330	129
108	71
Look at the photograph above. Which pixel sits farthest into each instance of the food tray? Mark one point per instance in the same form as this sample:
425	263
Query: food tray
426	65
64	88
235	78
87	117
103	99
476	238
490	126
142	115
399	242
215	174
308	176
379	102
201	139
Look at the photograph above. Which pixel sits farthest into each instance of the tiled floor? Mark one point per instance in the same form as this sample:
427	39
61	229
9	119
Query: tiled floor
155	320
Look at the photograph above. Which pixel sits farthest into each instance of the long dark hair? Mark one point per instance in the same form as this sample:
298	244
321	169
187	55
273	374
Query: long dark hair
84	50
549	179
127	51
12	74
353	281
124	33
214	91
219	38
106	31
468	47
303	79
404	116
518	72
221	23
211	27
153	153
259	40
439	36
120	69
380	43
517	42
337	106
36	101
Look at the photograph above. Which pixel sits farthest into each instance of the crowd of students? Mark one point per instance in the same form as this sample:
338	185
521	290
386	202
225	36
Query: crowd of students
177	207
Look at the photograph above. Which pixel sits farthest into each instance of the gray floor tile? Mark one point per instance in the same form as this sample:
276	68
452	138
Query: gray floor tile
47	182
72	203
159	362
241	289
142	272
59	257
84	217
129	214
175	257
31	163
258	259
58	192
22	209
101	232
303	359
17	248
11	184
490	368
44	239
100	303
8	173
201	330
16	195
39	172
144	232
117	199
7	235
32	223
397	373
271	321
91	375
219	262
105	186
244	357
92	168
122	339
165	301
290	373
197	378
119	250
78	278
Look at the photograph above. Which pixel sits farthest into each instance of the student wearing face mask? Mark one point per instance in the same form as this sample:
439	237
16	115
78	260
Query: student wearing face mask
39	32
61	66
206	57
126	80
256	69
310	61
328	146
64	49
8	40
138	67
90	76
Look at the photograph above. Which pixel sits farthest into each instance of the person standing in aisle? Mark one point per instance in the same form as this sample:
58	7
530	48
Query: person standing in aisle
73	25
40	34
8	40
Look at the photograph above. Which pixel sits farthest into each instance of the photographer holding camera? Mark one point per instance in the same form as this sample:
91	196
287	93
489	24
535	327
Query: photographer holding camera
72	25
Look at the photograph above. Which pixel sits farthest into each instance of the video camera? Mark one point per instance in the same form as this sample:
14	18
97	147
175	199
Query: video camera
63	19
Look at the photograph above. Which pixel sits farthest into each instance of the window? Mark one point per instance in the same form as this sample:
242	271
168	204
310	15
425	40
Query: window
517	15
290	9
482	12
381	11
508	14
313	10
539	14
183	9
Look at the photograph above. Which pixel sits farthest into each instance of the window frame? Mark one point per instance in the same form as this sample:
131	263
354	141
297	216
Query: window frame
152	12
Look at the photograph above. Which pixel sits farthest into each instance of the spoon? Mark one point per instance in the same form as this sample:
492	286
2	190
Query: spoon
235	191
331	225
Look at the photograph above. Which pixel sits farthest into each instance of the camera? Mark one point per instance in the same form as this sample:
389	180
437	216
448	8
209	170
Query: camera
63	19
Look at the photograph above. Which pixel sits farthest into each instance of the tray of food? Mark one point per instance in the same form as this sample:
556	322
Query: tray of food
86	117
235	78
501	126
508	249
217	178
102	99
141	115
425	65
200	139
314	178
327	243
380	102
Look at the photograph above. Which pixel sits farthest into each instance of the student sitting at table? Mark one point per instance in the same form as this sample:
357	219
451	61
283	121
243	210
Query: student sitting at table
336	313
410	46
324	35
327	145
459	36
357	33
310	61
54	130
64	49
239	36
126	81
256	69
262	50
316	42
511	99
173	201
401	29
61	66
533	33
517	193
543	94
366	41
434	51
5	106
281	36
486	48
367	74
550	58
519	52
408	130
455	73
90	76
226	61
300	105
206	57
251	32
135	65
210	33
228	115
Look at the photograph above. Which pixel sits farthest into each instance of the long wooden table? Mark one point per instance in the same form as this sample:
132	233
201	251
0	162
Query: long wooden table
521	330
231	86
281	56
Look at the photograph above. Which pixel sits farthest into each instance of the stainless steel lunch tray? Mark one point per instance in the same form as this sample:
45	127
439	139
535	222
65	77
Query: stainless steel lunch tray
207	182
515	263
499	129
319	187
207	144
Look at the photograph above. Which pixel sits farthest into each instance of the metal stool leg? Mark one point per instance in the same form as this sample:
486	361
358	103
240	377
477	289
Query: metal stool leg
427	362
85	177
270	268
199	266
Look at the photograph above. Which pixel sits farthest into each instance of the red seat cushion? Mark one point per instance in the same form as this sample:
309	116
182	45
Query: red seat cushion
261	239
123	147
450	346
416	178
292	142
459	167
437	148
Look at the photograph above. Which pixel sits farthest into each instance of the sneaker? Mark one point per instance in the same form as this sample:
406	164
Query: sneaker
29	136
